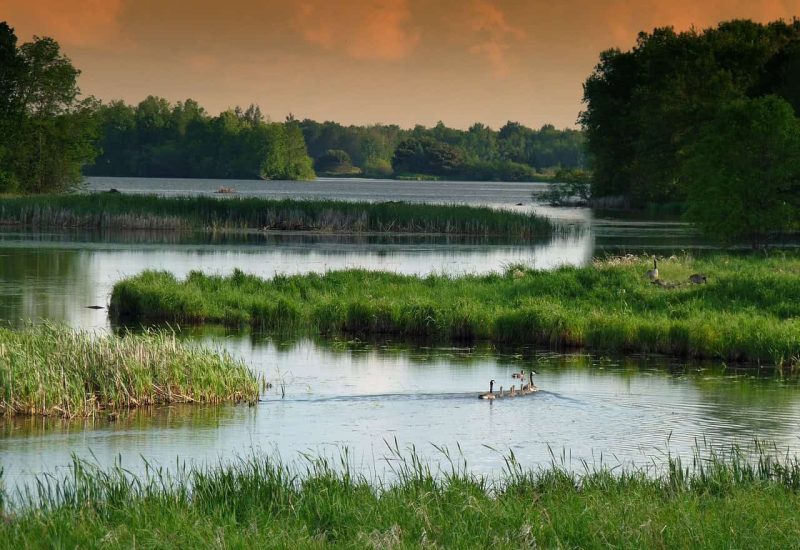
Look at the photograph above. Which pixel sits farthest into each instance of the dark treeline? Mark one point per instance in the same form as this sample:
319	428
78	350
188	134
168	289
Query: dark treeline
158	139
515	152
706	118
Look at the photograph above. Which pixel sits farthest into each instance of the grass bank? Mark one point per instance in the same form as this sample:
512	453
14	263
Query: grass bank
749	310
55	371
121	211
725	502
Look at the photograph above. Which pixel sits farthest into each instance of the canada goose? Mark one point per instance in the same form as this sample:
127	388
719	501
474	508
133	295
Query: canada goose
501	393
520	374
698	279
488	395
652	274
529	387
513	392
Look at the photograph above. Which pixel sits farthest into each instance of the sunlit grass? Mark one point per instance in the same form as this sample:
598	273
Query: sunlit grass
728	500
51	370
749	310
120	211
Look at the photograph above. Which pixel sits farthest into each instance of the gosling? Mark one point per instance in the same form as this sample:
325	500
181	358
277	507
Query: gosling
520	374
698	279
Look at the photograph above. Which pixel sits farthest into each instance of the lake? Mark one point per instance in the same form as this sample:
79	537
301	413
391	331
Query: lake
328	395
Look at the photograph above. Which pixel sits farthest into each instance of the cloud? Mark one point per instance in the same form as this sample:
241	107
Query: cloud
493	35
362	29
624	19
82	23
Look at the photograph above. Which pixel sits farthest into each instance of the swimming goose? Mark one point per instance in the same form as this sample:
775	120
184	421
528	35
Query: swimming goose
531	386
652	274
488	395
520	374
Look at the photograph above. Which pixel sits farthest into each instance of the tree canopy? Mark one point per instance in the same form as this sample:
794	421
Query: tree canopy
47	131
743	171
158	139
515	151
643	106
426	155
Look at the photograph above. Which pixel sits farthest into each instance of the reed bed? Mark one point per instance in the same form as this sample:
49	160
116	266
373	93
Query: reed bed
748	311
727	500
120	211
51	370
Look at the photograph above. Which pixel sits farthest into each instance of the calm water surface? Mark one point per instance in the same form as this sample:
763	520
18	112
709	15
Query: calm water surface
357	396
328	396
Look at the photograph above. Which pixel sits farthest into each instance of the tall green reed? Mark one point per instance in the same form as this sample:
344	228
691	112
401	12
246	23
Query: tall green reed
53	370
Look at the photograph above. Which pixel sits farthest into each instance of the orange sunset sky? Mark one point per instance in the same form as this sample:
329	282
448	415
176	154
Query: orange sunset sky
361	61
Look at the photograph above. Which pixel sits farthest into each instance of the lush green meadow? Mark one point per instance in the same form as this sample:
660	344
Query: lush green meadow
49	370
721	502
749	310
122	211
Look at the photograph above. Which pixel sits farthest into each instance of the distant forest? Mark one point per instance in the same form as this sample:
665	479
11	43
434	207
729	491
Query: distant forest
158	139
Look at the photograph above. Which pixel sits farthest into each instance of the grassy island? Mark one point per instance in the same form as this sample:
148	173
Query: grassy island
748	310
55	371
122	211
256	502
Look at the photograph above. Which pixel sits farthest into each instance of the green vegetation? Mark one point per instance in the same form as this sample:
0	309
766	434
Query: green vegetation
426	156
116	210
512	153
675	118
55	371
158	139
569	187
722	501
46	131
747	311
751	140
336	163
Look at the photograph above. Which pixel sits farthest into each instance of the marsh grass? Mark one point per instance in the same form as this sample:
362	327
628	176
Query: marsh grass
50	370
749	310
120	211
721	500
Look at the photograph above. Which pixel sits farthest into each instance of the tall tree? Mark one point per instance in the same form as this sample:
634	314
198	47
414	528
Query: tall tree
11	112
49	132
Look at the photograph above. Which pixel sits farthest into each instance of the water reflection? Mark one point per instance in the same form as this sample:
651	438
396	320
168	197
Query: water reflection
327	395
39	283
